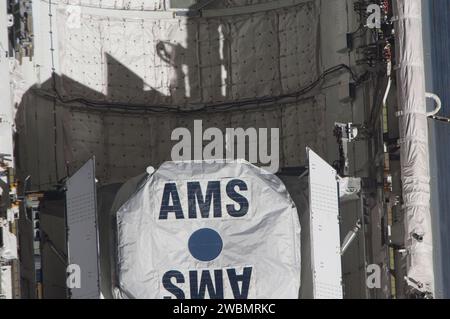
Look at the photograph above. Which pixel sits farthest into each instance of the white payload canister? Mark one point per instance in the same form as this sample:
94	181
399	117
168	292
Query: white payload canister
209	230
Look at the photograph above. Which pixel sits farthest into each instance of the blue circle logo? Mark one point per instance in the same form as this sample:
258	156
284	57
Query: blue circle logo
205	244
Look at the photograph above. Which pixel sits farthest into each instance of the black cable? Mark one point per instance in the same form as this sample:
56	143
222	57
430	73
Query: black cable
223	106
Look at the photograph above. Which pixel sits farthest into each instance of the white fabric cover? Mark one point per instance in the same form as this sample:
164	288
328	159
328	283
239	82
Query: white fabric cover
5	282
9	249
156	5
119	4
209	60
267	238
125	144
414	144
181	61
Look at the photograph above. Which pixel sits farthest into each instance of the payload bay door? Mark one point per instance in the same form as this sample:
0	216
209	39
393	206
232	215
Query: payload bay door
82	238
324	229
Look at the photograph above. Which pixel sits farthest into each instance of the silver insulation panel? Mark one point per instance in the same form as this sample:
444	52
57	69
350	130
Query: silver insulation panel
168	61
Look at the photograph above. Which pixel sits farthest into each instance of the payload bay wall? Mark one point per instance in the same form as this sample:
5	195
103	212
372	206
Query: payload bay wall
139	54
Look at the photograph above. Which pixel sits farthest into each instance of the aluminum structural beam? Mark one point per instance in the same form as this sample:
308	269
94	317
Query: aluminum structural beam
415	173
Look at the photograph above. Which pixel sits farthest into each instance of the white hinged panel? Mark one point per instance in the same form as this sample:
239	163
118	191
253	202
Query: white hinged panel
325	237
